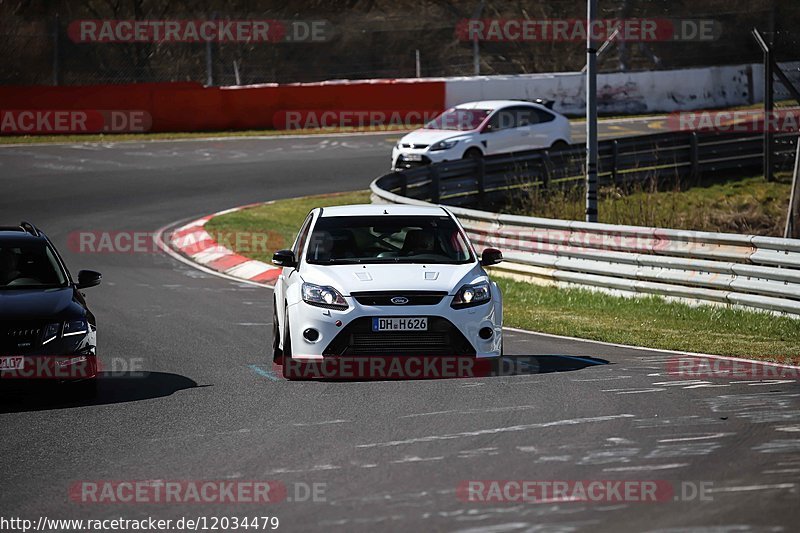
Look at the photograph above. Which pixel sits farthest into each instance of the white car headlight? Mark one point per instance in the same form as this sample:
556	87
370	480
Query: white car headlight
443	145
470	295
323	296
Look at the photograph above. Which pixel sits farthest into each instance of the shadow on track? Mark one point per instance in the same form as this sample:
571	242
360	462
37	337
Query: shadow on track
112	387
544	364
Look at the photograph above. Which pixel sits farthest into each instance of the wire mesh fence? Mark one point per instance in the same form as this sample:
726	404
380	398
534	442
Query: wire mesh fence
366	39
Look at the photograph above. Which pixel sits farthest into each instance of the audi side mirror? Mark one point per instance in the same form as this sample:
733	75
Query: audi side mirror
89	278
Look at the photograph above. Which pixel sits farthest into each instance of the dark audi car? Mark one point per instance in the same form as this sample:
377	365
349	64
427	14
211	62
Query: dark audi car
47	333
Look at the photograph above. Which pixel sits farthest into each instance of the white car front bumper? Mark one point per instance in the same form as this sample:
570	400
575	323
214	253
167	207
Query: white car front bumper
450	331
417	156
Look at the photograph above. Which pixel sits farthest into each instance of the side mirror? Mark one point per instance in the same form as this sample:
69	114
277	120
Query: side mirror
491	256
284	258
487	129
89	278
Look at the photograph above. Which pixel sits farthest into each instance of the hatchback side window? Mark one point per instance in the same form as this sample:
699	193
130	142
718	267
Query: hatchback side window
544	116
502	120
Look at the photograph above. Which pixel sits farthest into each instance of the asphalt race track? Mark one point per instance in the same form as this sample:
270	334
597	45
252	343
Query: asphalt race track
193	396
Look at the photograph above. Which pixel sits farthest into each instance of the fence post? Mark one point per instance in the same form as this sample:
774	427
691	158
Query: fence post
694	157
403	184
793	214
435	184
766	49
56	51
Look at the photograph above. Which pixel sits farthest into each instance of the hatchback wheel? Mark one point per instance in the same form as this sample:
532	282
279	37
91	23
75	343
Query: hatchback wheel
277	353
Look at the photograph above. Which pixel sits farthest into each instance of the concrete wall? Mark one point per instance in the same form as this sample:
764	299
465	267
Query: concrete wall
625	93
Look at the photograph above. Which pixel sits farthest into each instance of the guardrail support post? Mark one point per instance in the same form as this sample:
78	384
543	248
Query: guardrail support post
546	164
694	157
614	157
480	173
435	184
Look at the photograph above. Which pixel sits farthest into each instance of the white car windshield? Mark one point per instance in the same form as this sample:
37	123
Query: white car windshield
458	119
387	239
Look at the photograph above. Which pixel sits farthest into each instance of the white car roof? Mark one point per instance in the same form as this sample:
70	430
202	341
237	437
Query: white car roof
381	209
497	104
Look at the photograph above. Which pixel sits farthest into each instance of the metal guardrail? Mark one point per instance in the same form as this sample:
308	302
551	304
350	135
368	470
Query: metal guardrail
749	271
679	155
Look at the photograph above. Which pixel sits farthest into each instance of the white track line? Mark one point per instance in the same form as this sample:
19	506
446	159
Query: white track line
289	136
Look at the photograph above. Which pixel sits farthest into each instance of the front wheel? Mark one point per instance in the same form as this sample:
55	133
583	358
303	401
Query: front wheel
287	348
473	153
558	146
277	353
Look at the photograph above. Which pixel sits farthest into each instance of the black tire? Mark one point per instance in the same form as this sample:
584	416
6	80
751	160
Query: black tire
277	353
559	145
287	347
473	153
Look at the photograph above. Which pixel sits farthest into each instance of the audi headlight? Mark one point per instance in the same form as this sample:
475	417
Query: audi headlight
470	295
443	145
51	332
323	296
75	327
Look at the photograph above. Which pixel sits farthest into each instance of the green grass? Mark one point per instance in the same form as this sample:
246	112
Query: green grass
650	322
748	205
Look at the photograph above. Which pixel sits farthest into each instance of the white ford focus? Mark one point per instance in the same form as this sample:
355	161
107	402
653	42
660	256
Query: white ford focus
483	128
387	280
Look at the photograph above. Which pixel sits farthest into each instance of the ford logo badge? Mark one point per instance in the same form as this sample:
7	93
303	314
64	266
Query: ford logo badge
399	300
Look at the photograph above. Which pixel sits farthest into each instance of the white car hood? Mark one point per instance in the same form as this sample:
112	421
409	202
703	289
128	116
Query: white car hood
423	136
392	277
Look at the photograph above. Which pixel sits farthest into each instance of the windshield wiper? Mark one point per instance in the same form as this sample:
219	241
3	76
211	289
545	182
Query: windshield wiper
345	260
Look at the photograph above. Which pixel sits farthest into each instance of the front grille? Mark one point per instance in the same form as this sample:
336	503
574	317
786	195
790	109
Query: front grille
357	338
19	336
403	163
385	297
417	146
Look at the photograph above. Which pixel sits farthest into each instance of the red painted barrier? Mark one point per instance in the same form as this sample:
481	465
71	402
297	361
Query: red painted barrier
187	106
